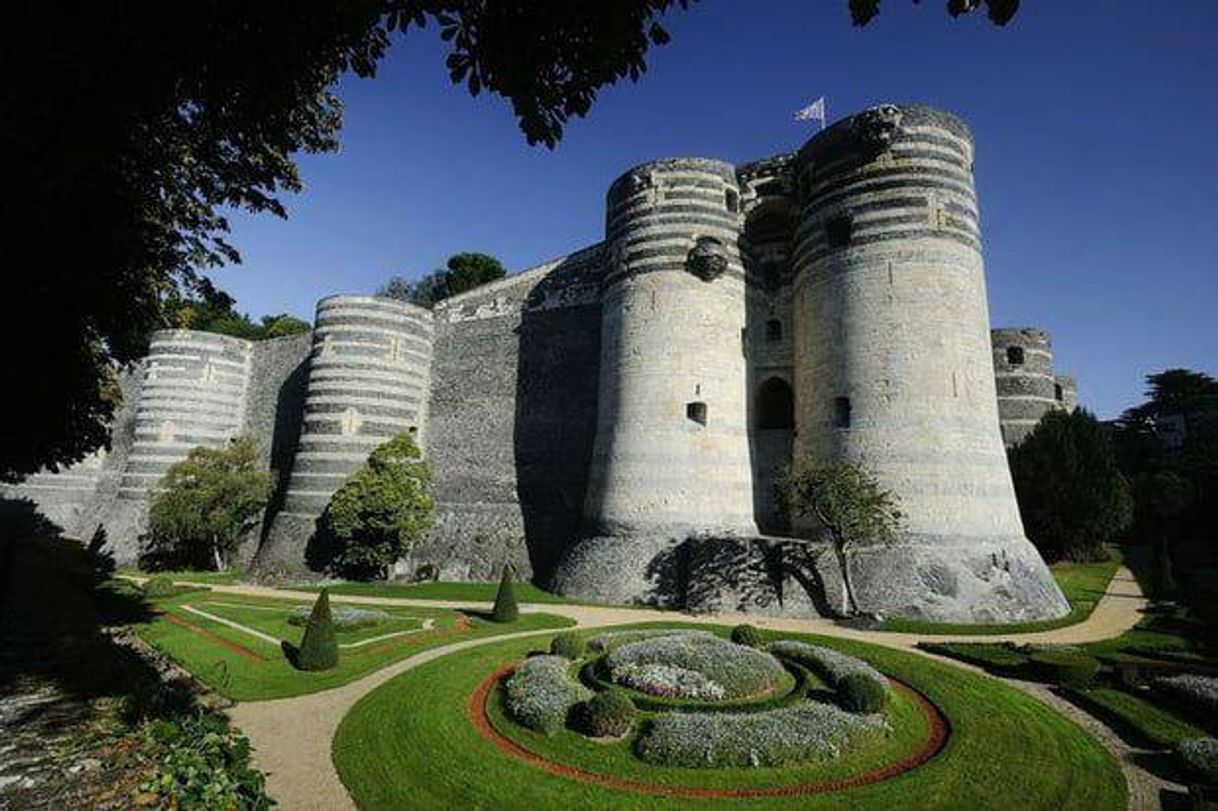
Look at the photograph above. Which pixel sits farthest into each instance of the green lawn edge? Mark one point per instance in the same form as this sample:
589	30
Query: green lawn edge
410	744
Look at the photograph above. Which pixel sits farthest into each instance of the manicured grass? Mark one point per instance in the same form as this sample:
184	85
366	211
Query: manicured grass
271	617
433	590
272	676
190	575
410	744
1083	584
1139	721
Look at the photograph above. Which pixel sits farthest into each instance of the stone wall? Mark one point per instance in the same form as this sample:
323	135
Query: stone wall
1027	386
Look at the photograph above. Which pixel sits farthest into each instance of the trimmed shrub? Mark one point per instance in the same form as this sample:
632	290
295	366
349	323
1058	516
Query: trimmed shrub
1196	693
612	640
505	609
607	715
1065	668
1200	755
568	645
688	666
805	732
1001	658
747	635
541	694
318	648
862	694
160	586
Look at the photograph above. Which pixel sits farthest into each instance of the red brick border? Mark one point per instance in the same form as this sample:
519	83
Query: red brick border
940	731
240	650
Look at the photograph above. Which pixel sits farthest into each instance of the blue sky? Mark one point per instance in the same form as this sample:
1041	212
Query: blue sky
1097	166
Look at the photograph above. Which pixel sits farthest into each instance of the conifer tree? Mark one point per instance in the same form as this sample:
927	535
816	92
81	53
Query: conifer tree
319	648
505	609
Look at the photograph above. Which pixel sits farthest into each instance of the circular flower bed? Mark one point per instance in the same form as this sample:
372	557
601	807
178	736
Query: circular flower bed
696	666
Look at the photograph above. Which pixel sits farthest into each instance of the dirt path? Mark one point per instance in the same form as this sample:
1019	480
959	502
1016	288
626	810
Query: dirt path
292	736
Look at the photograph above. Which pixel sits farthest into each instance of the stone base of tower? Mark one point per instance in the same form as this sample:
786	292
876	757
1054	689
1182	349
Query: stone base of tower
968	582
286	544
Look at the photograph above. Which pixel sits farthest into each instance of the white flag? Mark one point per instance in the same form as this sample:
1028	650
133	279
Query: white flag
813	112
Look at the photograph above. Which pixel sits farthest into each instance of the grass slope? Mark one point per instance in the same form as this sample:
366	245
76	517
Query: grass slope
243	679
410	744
1083	584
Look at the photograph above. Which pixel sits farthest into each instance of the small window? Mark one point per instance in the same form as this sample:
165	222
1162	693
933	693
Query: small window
1057	392
696	411
414	429
731	198
841	412
773	331
838	231
1015	355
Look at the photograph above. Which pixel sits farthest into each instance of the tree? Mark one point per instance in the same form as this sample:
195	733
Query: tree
206	504
282	325
849	505
374	518
127	130
505	608
1072	497
463	271
1000	12
318	647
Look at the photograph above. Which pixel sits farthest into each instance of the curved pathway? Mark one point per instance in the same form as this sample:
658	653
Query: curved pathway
292	736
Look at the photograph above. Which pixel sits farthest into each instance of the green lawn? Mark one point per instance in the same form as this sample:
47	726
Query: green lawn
1082	583
432	590
241	678
410	744
271	617
189	575
1139	721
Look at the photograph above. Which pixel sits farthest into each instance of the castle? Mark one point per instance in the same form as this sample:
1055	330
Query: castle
612	422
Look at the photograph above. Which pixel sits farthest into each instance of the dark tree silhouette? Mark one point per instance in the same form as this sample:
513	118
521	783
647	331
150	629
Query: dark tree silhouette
1000	12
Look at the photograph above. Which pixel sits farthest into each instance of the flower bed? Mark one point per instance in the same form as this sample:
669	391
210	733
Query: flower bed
345	617
805	732
541	693
612	640
1195	693
701	666
831	665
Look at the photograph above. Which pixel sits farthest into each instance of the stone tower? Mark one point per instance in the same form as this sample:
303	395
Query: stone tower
1027	385
893	364
671	453
368	378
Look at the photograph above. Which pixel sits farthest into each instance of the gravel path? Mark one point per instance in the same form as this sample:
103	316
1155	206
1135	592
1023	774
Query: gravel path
292	736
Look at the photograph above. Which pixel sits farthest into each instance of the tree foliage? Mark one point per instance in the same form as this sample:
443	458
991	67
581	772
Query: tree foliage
463	271
1072	497
1000	12
205	505
128	130
848	504
374	518
211	310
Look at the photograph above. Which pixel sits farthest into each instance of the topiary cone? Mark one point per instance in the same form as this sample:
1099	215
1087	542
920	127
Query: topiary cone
505	609
319	648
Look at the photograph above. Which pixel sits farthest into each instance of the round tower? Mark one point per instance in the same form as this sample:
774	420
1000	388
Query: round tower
368	380
1066	392
193	394
671	454
893	365
1023	373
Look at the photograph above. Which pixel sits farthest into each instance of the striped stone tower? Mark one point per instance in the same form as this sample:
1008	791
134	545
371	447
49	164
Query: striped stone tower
1066	392
368	381
671	452
193	393
63	497
1023	371
893	364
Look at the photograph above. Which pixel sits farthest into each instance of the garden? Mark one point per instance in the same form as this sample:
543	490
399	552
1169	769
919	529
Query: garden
675	716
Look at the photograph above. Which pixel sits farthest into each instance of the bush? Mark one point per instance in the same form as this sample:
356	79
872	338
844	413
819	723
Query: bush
612	640
201	762
160	586
805	732
1198	694
505	609
607	715
1002	658
1065	668
375	517
541	694
568	645
833	666
862	694
319	648
1200	755
747	635
694	666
